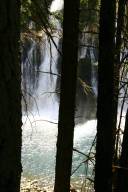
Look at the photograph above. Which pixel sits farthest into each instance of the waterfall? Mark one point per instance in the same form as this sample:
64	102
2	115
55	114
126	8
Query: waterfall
44	85
40	129
31	58
46	94
39	71
46	99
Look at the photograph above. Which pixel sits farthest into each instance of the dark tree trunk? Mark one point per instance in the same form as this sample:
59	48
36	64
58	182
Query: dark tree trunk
105	102
67	97
10	97
122	180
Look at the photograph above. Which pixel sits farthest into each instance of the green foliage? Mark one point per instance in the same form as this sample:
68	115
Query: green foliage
58	15
89	13
36	11
25	13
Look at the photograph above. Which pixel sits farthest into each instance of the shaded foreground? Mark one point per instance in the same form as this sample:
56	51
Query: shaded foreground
38	170
35	186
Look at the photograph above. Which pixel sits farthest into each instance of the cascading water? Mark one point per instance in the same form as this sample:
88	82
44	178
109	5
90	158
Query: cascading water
40	125
46	99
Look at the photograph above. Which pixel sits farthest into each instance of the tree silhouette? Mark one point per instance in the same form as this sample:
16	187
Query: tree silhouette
10	97
67	96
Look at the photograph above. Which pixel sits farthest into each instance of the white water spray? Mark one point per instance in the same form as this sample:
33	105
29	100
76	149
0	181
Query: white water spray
46	98
56	5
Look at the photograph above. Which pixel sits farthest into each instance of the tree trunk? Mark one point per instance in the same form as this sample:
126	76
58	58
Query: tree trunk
105	103
67	97
117	183
122	176
119	33
10	97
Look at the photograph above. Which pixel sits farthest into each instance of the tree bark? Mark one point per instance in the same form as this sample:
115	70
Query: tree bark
122	176
10	97
119	35
105	102
67	97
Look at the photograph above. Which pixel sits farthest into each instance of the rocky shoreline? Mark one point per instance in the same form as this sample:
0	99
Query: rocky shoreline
35	186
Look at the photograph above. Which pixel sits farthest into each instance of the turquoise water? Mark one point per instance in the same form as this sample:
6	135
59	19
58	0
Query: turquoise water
39	149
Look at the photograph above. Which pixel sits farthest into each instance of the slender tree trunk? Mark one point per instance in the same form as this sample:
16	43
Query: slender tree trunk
105	102
119	33
67	97
122	179
10	97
